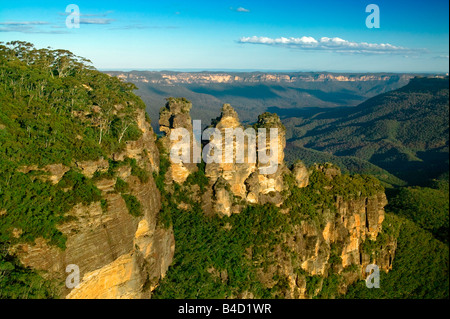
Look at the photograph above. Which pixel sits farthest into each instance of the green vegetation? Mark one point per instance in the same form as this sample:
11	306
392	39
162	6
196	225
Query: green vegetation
403	132
55	108
420	267
223	257
209	246
167	206
133	205
330	287
427	207
309	202
18	282
121	186
139	172
212	253
36	207
312	284
348	164
199	177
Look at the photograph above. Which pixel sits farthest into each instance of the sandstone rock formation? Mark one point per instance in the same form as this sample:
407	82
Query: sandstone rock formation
122	256
175	115
118	255
218	77
334	246
246	179
301	174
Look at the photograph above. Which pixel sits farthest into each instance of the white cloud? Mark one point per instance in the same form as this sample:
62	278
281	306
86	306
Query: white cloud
96	21
18	23
101	14
240	9
27	27
327	44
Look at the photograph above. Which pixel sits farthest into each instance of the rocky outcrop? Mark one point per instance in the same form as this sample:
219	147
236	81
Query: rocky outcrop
319	251
144	149
174	116
123	256
240	170
52	173
301	174
245	175
334	246
270	181
225	172
118	255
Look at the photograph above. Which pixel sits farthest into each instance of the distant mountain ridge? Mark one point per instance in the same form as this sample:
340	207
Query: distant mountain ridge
253	93
172	77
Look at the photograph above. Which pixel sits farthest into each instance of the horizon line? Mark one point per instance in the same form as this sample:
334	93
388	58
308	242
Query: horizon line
200	70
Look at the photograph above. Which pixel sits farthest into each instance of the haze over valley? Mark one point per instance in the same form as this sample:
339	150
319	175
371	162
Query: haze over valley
252	93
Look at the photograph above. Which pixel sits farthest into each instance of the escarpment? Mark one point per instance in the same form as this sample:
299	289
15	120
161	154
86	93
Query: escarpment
332	222
116	242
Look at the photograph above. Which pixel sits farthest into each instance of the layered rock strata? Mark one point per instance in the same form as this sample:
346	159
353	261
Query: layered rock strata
118	255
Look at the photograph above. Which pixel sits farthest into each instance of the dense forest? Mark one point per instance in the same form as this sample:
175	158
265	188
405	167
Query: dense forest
404	132
212	252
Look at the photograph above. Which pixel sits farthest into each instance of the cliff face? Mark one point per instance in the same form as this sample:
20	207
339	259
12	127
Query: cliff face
331	244
119	255
218	77
336	248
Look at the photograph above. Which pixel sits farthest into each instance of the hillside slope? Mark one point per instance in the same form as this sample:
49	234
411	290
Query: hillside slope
405	132
77	154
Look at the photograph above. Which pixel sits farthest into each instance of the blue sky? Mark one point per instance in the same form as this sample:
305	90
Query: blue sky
257	35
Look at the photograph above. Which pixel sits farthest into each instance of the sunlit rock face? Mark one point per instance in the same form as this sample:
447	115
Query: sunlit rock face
334	246
173	117
247	174
247	163
271	166
118	255
228	171
301	174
